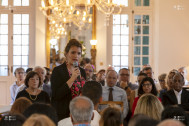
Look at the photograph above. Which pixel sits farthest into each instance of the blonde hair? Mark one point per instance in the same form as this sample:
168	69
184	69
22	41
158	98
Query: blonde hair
38	120
149	105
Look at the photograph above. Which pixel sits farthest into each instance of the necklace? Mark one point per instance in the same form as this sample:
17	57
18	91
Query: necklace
33	99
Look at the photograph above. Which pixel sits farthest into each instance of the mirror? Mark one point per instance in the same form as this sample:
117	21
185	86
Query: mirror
55	52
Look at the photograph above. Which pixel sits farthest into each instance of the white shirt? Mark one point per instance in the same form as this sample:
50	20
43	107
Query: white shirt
178	96
13	89
68	122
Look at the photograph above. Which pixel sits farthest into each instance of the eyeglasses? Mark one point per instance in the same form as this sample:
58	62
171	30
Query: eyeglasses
124	74
20	72
146	85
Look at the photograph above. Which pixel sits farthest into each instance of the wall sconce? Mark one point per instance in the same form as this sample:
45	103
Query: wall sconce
93	53
53	42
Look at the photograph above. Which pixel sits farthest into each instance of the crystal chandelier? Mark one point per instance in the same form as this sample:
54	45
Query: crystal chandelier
78	12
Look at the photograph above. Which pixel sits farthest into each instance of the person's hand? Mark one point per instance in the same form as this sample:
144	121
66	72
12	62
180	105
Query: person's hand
123	84
75	73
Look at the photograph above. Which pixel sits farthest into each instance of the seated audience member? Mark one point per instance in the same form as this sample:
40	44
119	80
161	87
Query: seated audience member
175	113
100	76
20	76
150	73
89	72
113	93
183	71
162	80
149	105
84	62
47	76
147	86
40	108
20	105
12	120
28	70
142	120
38	120
33	93
92	90
111	116
109	68
177	95
81	111
170	122
170	79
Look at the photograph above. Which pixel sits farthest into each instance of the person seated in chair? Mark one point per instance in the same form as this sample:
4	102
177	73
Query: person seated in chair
177	95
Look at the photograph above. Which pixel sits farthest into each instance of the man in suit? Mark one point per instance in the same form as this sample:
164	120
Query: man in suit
177	95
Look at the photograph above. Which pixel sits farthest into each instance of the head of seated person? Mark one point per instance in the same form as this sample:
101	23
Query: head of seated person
147	86
142	120
81	110
149	105
38	120
176	113
170	79
140	77
111	116
178	82
170	122
41	108
162	80
20	105
111	78
12	120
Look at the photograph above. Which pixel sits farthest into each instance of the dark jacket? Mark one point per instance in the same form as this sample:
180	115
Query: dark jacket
61	93
169	98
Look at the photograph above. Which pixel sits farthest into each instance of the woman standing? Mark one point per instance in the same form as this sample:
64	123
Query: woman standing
67	79
32	92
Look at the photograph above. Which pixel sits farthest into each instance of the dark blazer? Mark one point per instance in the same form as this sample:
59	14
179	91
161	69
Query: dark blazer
61	93
169	98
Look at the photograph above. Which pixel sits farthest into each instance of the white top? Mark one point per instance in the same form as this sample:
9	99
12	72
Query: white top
178	96
13	91
68	122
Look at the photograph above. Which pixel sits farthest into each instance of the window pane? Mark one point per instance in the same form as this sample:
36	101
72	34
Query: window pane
137	19
116	19
124	60
137	61
145	19
122	2
116	29
3	60
17	3
17	39
124	40
145	40
136	50
124	19
4	39
146	3
25	29
137	40
17	29
25	50
25	18
17	19
145	60
25	2
137	2
4	3
3	70
3	18
136	71
4	29
137	30
4	50
145	29
124	30
25	39
116	60
124	50
16	60
117	69
116	50
24	60
116	40
145	51
17	50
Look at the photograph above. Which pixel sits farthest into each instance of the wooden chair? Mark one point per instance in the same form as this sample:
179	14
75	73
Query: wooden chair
112	103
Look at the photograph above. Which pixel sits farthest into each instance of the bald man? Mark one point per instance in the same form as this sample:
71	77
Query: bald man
170	122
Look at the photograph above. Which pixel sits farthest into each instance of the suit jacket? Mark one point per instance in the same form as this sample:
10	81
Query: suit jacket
61	93
169	98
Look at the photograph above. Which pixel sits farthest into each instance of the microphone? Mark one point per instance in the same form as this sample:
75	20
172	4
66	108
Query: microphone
75	64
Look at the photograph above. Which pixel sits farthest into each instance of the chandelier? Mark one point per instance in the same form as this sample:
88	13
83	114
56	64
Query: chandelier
62	13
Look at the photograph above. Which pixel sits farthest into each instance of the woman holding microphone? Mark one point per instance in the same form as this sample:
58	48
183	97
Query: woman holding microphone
67	79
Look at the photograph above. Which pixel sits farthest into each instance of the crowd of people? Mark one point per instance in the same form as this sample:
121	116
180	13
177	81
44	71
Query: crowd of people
73	95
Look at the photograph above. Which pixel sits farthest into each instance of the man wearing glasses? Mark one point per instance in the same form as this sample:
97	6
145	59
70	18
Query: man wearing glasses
89	72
